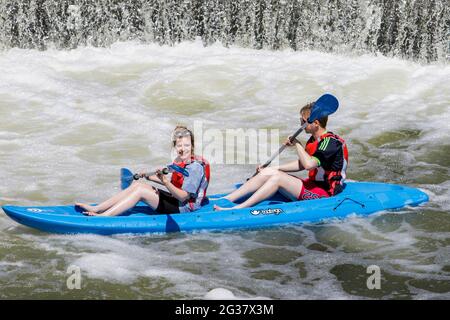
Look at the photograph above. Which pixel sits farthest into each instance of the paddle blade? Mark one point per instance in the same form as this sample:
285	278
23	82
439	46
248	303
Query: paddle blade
126	178
179	169
324	106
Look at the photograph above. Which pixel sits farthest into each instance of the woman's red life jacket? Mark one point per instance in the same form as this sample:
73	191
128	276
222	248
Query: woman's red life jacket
334	180
178	178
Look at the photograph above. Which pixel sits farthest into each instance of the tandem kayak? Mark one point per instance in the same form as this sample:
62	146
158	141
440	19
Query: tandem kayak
358	198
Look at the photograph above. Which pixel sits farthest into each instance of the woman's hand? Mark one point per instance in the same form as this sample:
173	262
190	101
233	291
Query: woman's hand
142	173
161	176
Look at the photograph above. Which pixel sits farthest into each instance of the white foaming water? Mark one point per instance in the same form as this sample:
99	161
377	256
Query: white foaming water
70	119
224	294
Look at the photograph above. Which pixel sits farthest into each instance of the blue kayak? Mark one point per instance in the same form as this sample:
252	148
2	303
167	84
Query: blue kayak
360	198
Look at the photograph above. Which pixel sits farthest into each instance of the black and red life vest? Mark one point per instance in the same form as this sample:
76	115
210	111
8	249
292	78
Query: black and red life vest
333	180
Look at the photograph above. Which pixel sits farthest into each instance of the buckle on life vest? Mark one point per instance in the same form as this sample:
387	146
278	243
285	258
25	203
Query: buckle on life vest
336	178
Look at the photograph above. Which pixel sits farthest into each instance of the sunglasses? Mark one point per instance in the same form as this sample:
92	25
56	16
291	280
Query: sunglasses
180	134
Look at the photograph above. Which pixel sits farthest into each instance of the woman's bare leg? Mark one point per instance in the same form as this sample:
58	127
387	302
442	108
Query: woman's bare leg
141	192
110	202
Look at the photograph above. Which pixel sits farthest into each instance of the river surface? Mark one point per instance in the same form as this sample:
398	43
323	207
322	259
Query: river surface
70	119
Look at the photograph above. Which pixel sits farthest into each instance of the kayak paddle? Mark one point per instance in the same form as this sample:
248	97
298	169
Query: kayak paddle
127	177
324	106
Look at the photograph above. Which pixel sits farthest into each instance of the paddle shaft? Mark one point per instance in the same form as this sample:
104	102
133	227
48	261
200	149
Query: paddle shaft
291	139
137	176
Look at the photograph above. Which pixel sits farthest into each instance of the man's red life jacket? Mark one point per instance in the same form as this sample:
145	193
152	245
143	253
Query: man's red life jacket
178	178
333	180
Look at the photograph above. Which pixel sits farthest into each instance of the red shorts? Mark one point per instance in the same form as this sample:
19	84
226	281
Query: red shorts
310	190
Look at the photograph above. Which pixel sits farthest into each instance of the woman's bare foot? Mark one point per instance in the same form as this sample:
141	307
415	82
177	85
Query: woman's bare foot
86	207
91	213
217	208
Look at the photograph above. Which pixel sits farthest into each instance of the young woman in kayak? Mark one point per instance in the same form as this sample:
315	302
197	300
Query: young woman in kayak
325	156
185	193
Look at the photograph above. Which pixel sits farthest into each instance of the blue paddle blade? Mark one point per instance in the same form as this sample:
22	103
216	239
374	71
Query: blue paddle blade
324	106
126	178
179	169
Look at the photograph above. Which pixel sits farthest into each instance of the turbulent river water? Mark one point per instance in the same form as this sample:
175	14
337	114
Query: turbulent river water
69	119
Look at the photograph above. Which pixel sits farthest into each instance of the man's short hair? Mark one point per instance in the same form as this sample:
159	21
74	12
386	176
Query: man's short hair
306	109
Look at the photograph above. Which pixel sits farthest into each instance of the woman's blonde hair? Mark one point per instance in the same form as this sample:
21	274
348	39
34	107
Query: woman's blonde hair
182	131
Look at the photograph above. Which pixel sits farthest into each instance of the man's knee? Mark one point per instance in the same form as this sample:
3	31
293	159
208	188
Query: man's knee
269	171
276	177
280	177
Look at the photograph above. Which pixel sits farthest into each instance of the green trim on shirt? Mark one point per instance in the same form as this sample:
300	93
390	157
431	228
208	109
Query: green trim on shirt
318	161
324	144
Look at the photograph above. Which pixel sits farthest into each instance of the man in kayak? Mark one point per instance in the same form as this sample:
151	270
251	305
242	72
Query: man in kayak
325	156
185	194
